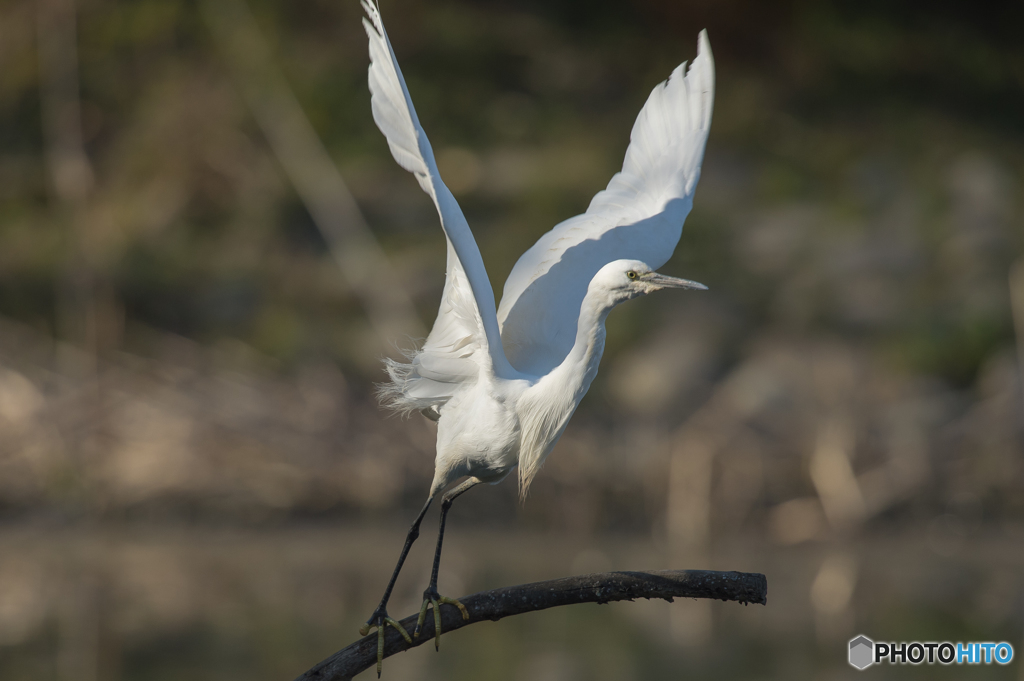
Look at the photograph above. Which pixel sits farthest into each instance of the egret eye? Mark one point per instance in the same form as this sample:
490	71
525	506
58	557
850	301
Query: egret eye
631	274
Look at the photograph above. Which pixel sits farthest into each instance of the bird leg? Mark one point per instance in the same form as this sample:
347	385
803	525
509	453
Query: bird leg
380	618
430	596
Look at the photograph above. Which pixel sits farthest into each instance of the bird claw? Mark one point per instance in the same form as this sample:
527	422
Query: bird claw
457	604
381	620
423	615
434	600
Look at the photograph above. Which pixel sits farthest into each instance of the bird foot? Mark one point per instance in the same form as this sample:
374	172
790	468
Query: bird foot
434	599
380	619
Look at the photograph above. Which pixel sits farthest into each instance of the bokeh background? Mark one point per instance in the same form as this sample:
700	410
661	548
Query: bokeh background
206	249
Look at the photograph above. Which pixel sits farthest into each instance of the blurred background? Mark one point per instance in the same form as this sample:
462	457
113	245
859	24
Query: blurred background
206	249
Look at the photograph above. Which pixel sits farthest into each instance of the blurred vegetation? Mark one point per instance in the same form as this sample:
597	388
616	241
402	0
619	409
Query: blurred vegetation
898	125
179	349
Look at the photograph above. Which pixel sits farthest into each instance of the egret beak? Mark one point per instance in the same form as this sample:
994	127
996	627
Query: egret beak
660	281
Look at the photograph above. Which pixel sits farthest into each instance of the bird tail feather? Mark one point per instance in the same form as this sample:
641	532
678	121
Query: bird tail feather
407	392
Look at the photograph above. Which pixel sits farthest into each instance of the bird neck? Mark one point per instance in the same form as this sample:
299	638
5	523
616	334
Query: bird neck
555	396
579	367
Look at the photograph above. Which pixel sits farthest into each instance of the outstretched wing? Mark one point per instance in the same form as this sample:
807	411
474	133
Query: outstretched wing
465	339
639	216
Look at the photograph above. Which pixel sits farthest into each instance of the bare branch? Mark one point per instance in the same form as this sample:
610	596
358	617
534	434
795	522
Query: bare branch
493	605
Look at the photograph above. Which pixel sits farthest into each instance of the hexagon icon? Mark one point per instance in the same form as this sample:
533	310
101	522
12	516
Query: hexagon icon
862	652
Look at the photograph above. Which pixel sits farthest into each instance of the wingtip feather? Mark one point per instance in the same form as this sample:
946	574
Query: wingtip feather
371	31
703	44
373	12
704	61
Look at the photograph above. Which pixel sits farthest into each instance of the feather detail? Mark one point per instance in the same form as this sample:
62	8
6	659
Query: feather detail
638	216
465	339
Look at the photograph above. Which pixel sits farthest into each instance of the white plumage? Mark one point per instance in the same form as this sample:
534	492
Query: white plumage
638	216
502	383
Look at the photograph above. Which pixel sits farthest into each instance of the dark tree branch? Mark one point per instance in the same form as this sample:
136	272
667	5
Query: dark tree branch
514	600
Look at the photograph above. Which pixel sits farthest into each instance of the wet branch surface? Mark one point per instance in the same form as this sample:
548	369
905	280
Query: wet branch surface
493	605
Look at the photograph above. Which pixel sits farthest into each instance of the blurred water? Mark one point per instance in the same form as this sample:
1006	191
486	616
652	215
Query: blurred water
121	603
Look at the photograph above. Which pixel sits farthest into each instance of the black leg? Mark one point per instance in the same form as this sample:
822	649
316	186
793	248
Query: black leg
414	533
431	596
446	503
380	618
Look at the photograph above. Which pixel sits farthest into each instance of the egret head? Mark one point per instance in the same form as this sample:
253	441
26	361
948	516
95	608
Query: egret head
624	280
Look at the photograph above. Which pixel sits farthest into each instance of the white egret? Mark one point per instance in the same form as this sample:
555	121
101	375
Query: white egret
502	383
